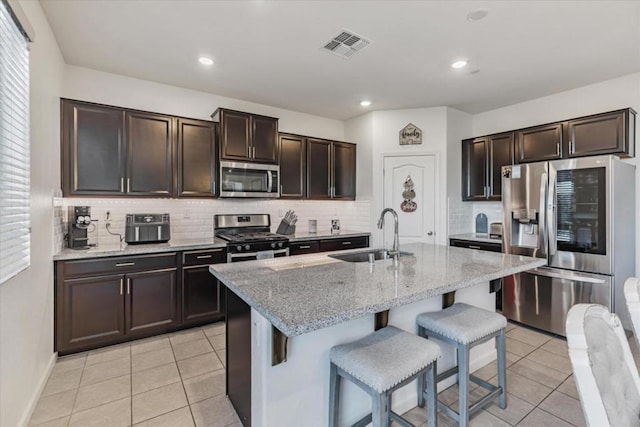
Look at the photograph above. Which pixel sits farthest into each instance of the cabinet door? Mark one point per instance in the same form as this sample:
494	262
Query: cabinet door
292	166
149	154
474	169
318	169
93	149
235	135
500	154
539	143
598	134
90	312
196	158
344	171
264	139
201	300
151	304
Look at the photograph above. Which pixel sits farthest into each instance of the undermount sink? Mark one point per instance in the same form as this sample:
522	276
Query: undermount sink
363	256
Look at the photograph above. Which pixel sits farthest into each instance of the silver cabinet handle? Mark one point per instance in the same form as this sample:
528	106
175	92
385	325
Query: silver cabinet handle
557	149
474	247
304	247
128	286
128	185
572	146
346	243
281	189
121	285
122	184
203	256
125	264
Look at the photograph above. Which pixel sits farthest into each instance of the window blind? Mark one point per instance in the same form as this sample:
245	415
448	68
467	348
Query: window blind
14	148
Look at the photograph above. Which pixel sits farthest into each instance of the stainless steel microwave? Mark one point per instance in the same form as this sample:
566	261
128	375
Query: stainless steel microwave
239	179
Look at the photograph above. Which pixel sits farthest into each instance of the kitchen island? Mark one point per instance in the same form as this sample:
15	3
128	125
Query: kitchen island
284	314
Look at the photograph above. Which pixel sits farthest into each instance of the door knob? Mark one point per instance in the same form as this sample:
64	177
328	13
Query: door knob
430	233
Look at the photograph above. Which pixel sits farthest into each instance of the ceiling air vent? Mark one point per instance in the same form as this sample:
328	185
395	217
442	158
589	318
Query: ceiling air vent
346	44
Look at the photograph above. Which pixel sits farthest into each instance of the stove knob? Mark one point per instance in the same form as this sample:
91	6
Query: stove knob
273	245
239	248
247	247
280	244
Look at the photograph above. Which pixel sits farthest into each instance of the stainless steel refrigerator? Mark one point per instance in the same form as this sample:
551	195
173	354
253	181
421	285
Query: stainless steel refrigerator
579	215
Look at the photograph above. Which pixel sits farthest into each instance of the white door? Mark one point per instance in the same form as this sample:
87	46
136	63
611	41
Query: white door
410	190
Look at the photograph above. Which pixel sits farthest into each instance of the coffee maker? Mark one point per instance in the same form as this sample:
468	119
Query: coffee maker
79	220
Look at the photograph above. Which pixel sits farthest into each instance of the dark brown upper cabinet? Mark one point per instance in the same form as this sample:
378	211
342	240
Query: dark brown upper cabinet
293	162
482	162
344	171
93	149
331	170
607	133
196	158
247	137
150	148
539	143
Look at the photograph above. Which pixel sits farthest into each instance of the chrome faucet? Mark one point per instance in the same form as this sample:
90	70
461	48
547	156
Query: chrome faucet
395	251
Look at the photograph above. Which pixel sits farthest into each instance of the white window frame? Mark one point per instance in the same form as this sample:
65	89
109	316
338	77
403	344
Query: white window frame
15	180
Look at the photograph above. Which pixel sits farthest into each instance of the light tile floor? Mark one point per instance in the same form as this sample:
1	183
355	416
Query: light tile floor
178	380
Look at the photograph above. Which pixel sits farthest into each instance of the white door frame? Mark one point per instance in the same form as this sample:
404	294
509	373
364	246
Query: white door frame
437	212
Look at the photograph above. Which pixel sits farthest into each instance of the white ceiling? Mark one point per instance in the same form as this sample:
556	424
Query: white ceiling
269	51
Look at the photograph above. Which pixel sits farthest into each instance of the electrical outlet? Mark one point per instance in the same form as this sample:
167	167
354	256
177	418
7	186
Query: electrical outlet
186	215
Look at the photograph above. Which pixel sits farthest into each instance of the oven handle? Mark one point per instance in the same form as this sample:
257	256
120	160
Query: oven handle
269	181
231	256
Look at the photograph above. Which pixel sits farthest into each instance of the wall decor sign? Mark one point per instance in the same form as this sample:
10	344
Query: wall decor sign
408	205
410	135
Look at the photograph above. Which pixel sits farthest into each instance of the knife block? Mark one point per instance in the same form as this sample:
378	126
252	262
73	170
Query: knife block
286	228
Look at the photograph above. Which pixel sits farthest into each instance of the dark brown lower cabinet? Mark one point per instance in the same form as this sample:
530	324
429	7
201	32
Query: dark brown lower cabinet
151	303
90	311
201	299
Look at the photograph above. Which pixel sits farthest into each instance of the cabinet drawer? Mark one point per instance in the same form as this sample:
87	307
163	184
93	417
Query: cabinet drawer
344	243
492	247
300	248
123	264
205	257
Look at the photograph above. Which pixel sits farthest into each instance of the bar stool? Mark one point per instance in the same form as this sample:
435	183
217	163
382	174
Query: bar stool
380	363
465	326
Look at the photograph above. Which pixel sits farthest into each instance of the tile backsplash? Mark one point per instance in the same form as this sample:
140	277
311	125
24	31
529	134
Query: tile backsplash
462	215
193	219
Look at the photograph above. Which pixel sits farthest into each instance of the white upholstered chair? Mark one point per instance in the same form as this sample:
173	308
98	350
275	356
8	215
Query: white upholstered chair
632	297
603	368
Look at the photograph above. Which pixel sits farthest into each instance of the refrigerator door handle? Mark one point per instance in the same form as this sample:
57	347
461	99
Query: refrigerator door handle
566	276
551	217
542	216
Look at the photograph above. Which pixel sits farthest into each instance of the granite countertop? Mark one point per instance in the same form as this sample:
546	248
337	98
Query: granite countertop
139	249
309	292
300	236
484	238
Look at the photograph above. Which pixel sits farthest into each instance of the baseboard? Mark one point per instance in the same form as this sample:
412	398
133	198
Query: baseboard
36	395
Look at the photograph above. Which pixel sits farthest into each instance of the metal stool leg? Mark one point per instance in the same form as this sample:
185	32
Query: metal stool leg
430	377
421	378
463	384
334	396
502	368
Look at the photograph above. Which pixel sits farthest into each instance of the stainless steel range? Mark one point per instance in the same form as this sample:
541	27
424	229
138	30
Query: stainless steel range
249	237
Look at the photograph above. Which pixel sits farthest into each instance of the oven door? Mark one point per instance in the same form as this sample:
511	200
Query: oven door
252	256
249	180
579	214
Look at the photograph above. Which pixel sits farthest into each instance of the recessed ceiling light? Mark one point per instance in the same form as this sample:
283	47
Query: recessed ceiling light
459	64
476	15
205	60
365	103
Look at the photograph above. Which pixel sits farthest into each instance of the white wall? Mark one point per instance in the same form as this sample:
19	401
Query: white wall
26	301
605	96
96	86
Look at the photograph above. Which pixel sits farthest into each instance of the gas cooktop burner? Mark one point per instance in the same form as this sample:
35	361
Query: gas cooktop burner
261	236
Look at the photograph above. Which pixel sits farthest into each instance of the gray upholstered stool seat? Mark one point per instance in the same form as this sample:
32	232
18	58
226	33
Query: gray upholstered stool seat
380	363
463	323
465	326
